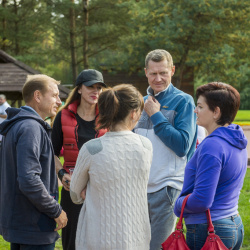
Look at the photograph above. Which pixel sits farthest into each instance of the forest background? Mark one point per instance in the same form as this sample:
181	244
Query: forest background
207	38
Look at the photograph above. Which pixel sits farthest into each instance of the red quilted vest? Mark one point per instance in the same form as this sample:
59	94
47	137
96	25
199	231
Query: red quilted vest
70	136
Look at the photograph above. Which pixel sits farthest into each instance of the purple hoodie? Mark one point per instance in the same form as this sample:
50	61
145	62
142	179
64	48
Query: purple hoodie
214	176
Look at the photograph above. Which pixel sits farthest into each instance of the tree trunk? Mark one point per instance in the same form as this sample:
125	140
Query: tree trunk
181	68
16	29
85	34
73	40
4	2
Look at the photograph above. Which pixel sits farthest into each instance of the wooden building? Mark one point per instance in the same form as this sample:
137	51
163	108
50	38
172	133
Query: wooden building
13	75
141	82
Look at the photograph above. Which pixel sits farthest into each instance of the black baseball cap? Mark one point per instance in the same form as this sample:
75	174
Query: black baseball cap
89	77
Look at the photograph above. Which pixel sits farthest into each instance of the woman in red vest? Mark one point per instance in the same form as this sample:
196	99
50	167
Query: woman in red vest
73	126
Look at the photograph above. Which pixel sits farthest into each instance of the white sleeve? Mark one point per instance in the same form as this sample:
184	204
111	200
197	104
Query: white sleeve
80	175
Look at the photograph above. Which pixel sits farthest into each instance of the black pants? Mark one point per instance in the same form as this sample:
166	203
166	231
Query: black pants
72	210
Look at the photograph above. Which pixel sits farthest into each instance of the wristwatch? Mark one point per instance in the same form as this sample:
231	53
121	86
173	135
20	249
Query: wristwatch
61	173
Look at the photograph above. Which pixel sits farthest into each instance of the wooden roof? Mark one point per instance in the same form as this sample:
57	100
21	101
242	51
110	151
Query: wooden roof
13	75
141	82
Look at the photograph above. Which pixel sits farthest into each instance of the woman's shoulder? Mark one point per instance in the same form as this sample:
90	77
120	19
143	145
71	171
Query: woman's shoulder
94	146
213	142
145	142
213	146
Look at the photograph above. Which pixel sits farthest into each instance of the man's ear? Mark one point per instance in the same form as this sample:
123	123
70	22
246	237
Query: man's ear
37	96
145	69
173	70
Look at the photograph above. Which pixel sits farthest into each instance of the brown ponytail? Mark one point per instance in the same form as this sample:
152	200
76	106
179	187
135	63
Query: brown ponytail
116	103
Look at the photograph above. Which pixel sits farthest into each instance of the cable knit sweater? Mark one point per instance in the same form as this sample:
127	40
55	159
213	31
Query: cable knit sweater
115	169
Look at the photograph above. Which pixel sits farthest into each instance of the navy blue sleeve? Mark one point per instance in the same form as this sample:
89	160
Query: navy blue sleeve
29	145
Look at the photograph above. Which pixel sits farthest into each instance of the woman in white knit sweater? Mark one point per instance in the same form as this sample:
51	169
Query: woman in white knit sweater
115	169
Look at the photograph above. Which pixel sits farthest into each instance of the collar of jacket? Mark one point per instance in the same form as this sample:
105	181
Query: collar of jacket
150	91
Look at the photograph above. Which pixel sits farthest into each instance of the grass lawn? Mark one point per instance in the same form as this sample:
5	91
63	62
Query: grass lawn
243	115
244	204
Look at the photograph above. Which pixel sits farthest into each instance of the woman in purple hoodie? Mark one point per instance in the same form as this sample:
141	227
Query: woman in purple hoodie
214	175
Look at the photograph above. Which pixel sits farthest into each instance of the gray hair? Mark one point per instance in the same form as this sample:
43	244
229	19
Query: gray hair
3	96
159	55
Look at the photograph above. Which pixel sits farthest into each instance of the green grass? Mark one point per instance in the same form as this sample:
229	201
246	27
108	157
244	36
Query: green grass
244	204
4	245
243	116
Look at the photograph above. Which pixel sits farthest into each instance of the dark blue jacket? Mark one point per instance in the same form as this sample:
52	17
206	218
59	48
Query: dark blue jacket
28	181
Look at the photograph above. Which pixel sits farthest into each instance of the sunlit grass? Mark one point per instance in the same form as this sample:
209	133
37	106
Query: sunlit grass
244	204
243	116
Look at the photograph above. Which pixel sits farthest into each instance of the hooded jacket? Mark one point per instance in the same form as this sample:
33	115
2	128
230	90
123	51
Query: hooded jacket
28	181
215	176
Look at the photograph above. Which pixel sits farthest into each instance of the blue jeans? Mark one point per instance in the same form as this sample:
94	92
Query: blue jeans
14	246
230	230
161	215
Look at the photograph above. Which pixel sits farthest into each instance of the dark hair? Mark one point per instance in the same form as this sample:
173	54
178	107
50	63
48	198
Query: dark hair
222	95
115	104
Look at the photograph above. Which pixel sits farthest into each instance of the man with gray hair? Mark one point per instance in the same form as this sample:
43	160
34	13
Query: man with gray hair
169	121
3	106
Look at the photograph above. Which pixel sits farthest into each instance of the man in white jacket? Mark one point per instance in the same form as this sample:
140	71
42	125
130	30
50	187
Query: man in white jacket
169	122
